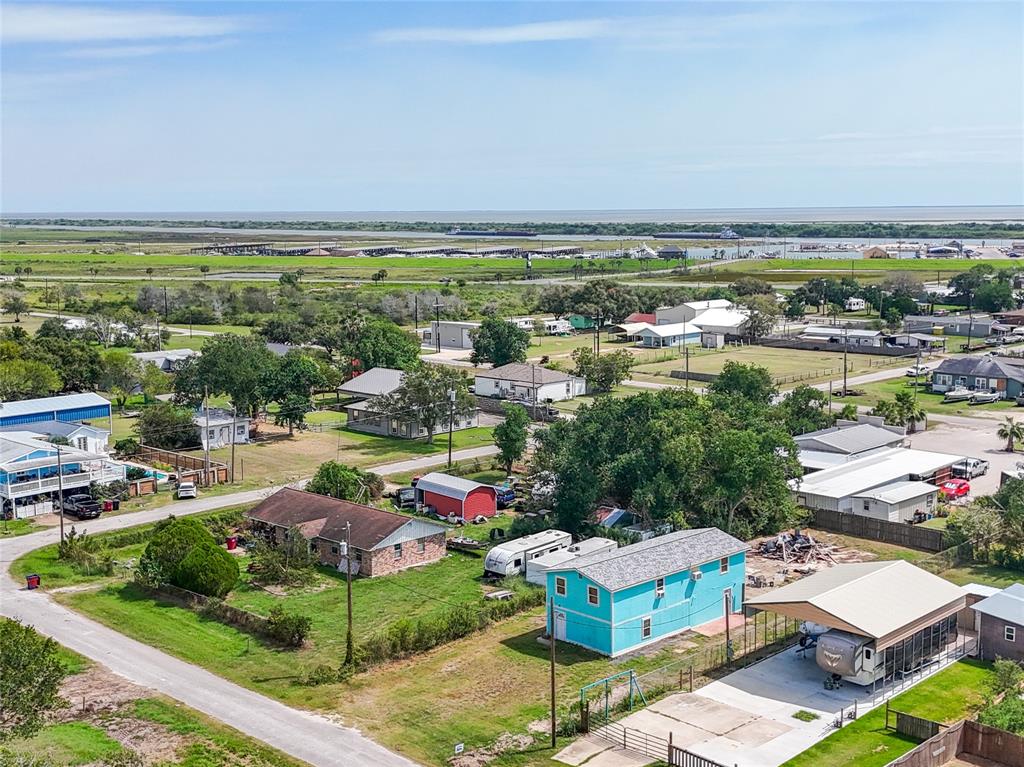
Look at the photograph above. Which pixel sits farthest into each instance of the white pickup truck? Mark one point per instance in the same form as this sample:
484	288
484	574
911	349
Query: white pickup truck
969	468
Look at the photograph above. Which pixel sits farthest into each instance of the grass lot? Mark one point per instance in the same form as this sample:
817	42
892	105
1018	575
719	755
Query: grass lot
13	527
932	403
802	269
949	695
67	744
787	365
572	405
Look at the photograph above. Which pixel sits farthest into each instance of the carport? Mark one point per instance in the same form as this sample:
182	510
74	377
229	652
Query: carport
905	614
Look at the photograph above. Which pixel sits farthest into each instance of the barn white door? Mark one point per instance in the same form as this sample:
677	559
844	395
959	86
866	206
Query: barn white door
560	626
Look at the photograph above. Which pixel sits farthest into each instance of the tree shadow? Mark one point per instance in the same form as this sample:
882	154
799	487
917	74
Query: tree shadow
565	654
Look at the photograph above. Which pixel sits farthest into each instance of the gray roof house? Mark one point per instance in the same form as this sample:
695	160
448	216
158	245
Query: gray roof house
1000	624
375	382
1000	374
846	441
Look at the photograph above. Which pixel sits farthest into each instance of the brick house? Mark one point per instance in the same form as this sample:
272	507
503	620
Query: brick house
382	542
1000	624
456	497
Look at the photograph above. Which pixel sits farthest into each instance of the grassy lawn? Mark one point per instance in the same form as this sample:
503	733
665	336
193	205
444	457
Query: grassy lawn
948	696
12	527
932	403
67	744
880	549
978	572
572	405
788	365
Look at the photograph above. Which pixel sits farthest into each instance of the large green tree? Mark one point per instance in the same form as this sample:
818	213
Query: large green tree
290	383
499	342
805	409
602	372
347	483
510	435
15	304
673	456
23	379
30	676
425	397
232	365
167	426
381	343
749	381
121	374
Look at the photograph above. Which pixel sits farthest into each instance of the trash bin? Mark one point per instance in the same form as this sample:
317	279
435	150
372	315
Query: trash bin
32	581
232	542
108	505
117	504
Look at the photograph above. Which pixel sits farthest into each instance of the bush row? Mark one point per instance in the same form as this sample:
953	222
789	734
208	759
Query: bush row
407	637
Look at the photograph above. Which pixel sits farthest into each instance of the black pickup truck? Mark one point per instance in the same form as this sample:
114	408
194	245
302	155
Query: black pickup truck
81	506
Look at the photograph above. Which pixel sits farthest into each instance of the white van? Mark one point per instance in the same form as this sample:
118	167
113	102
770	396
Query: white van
510	558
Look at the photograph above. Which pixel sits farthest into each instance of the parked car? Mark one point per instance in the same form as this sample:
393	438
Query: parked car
187	490
917	370
81	505
955	488
969	468
506	496
404	498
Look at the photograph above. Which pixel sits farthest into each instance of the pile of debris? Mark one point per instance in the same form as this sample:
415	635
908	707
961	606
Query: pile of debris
797	548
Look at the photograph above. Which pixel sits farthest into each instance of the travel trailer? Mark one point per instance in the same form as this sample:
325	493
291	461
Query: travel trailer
510	558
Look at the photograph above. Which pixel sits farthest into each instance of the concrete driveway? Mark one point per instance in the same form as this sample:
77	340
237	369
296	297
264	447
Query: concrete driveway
974	437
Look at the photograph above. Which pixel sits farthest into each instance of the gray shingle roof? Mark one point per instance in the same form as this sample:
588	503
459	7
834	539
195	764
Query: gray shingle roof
520	372
980	366
656	558
1007	605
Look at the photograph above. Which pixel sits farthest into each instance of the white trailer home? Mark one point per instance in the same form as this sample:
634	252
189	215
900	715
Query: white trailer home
510	558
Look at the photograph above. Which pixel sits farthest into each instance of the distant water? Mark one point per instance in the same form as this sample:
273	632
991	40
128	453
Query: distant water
908	214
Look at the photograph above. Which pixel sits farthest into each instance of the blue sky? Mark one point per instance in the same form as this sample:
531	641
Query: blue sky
447	106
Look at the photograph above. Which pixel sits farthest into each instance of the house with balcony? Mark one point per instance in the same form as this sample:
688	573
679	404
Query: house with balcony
33	470
618	601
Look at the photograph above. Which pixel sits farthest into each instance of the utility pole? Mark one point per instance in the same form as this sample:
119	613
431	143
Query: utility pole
551	637
846	349
165	303
451	422
970	325
158	340
917	371
349	650
206	435
415	311
686	351
437	324
234	425
60	493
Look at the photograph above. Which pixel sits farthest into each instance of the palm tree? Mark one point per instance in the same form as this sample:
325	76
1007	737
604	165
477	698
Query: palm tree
1011	431
909	412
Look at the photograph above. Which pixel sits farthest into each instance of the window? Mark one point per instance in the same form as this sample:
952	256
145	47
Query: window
659	587
592	596
867	505
867	654
517	563
240	431
334	549
560	586
398	551
645	628
210	434
723	565
1010	633
421	546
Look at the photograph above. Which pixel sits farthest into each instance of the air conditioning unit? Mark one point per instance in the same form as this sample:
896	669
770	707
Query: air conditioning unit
694	575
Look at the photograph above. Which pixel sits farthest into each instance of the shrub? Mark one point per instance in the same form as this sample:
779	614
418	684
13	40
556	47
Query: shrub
172	541
207	569
288	628
135	472
126	446
85	553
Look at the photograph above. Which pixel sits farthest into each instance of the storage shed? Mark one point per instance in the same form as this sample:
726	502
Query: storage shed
897	502
455	496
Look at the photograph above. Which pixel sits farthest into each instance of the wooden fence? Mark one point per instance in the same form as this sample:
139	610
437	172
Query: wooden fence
898	533
966	738
188	468
909	725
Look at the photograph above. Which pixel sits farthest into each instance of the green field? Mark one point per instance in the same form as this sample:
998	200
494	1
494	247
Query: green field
947	696
788	366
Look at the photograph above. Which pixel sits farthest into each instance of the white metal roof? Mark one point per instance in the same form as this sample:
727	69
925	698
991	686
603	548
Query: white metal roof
876	598
672	329
632	328
819	459
532	541
726	318
44	404
898	492
446	484
854	438
835	330
878	469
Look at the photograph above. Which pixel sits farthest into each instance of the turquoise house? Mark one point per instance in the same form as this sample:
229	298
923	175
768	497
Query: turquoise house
617	601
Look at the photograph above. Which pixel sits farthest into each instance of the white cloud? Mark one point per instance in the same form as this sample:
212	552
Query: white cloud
546	31
138	51
22	23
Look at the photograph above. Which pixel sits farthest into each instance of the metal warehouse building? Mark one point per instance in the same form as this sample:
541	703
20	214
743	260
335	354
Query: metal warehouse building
69	408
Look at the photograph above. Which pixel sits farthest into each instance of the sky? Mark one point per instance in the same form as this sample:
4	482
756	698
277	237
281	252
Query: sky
321	106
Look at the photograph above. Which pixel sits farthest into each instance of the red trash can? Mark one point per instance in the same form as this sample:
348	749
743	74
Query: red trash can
32	581
232	542
108	505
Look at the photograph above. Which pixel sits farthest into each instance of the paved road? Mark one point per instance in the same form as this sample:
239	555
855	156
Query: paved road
300	734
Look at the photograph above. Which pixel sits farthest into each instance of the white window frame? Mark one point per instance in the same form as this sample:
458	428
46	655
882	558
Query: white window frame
659	587
1010	633
560	586
593	596
646	627
723	565
397	548
421	546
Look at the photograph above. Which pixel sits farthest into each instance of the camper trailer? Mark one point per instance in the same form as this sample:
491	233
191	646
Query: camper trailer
537	568
855	659
510	558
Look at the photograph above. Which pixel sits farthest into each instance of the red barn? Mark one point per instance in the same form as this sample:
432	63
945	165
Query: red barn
456	496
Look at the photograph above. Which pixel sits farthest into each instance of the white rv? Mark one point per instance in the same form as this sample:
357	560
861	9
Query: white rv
856	659
510	558
537	568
